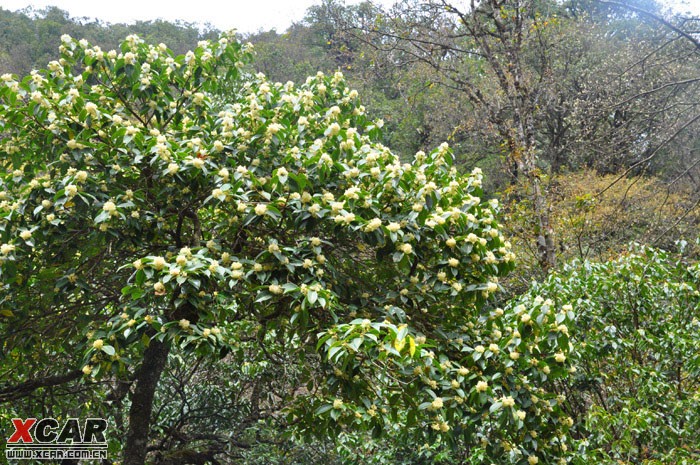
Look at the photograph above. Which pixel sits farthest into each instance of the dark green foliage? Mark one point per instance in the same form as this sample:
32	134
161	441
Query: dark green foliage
635	393
28	37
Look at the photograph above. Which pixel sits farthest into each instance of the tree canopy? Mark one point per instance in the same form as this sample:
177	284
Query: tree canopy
150	208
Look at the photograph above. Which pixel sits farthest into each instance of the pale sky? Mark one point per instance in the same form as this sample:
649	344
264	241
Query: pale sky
243	15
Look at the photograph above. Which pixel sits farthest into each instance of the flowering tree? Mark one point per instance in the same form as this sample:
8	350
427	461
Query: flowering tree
153	204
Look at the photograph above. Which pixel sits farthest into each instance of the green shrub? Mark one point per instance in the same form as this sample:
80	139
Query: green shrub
636	393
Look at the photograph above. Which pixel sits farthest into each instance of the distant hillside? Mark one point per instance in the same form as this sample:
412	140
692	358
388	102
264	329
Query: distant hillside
28	38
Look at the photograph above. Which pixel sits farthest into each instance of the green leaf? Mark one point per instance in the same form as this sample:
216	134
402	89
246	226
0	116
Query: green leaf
323	409
102	217
140	278
356	343
311	297
333	351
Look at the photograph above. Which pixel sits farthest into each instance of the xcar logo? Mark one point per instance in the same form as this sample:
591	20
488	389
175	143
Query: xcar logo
47	439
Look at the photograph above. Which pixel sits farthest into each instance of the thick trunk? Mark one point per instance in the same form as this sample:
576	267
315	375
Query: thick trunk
154	360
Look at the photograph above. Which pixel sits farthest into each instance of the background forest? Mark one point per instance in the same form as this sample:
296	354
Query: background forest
584	117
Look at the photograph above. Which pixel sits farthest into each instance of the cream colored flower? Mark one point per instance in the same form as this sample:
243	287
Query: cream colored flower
275	289
352	193
71	190
98	344
274	128
224	173
260	209
373	225
159	263
236	274
91	108
393	227
333	129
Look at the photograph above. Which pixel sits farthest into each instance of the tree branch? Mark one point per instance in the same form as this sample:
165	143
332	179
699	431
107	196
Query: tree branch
28	387
655	17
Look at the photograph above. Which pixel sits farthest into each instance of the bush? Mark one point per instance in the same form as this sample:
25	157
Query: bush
636	393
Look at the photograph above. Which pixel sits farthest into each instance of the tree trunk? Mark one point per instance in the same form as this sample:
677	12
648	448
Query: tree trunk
546	247
154	360
526	159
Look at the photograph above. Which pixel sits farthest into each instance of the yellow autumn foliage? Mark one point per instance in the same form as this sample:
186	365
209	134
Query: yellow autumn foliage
594	217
